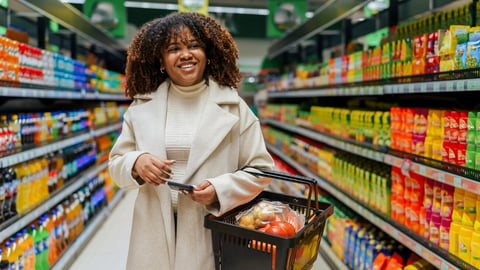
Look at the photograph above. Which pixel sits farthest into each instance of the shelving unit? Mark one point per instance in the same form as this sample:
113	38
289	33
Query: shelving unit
441	175
72	252
435	255
445	84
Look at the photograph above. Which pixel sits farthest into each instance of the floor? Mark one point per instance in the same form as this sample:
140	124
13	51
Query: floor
107	249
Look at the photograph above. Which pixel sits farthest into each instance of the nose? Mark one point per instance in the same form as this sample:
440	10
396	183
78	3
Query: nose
186	54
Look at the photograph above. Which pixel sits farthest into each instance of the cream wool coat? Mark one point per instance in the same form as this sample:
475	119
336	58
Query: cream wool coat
228	138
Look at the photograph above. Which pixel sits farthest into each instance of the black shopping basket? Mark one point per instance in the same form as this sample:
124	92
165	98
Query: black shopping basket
241	248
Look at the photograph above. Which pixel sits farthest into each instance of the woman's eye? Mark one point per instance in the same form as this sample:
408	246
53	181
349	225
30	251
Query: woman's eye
173	49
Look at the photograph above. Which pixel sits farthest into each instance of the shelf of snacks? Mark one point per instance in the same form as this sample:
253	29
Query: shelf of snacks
451	174
437	256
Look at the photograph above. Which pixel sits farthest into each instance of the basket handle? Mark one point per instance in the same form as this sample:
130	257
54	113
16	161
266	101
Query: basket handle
310	182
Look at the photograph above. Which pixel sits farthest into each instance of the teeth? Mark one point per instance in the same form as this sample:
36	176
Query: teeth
186	66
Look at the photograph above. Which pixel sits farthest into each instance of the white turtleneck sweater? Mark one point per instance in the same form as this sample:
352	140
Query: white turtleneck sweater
185	104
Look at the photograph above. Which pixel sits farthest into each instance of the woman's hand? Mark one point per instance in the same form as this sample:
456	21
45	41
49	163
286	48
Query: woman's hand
204	193
153	169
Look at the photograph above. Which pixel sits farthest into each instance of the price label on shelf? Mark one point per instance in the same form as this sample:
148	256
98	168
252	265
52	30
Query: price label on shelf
422	170
449	86
436	87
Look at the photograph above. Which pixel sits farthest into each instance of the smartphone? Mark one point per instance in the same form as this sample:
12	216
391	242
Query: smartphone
180	186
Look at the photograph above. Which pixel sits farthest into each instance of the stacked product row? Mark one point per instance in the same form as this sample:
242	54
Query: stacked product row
26	129
25	185
39	245
20	62
451	136
440	42
358	244
443	214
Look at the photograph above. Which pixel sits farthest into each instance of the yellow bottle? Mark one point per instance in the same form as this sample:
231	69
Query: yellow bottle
476	224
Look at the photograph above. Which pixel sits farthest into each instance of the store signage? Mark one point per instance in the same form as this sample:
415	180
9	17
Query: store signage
199	6
107	14
285	15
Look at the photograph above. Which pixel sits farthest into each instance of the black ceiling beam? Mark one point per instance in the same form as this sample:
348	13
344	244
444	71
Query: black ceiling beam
327	15
71	18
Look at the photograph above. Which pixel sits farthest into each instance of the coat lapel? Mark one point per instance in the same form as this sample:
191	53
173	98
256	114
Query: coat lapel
152	118
215	123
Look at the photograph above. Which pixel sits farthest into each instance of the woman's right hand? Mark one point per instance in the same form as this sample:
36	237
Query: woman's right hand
153	169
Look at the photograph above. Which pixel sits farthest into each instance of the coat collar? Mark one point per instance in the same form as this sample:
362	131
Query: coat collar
214	124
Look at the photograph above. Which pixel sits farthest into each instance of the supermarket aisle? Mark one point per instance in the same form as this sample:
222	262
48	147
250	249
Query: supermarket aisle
107	250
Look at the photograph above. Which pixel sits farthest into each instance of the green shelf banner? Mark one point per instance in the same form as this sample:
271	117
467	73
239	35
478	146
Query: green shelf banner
199	6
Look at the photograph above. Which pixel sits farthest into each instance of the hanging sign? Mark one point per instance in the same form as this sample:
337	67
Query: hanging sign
199	6
284	15
107	14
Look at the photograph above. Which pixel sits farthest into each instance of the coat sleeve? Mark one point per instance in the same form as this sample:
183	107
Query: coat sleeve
123	156
237	188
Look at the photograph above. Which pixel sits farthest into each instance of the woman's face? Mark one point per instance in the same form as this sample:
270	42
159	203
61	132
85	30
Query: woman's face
184	59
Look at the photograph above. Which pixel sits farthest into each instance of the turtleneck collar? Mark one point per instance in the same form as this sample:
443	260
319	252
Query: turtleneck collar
188	91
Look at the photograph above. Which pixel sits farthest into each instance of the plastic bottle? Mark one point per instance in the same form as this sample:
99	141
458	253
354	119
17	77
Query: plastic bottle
3	194
8	254
4	264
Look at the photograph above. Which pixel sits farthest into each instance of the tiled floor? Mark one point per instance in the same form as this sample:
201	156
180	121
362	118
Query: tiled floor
107	250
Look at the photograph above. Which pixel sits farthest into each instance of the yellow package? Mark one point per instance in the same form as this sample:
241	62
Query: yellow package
475	252
470	209
464	243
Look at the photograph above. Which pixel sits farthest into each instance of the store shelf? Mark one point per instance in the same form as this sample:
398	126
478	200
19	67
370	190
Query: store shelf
440	175
67	258
337	143
470	184
52	147
435	255
25	92
330	257
460	85
56	198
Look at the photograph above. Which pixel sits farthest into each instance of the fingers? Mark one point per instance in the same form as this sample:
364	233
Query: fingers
153	170
204	193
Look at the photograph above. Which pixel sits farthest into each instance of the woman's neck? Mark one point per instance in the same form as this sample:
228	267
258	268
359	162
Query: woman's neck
188	91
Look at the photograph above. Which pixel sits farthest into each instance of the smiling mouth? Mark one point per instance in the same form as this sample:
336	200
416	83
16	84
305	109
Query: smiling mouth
186	66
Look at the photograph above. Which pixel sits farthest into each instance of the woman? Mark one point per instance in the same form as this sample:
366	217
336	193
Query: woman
186	124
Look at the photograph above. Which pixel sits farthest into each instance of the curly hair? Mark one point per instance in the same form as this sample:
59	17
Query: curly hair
144	55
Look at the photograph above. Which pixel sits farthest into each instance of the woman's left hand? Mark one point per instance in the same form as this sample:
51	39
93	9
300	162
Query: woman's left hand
204	193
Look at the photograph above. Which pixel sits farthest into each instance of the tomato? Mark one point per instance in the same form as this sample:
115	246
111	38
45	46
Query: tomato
286	226
264	228
277	230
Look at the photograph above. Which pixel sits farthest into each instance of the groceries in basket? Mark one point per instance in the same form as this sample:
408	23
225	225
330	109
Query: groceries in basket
272	217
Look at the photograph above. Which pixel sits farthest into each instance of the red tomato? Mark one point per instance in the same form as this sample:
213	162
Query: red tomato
277	230
264	228
286	226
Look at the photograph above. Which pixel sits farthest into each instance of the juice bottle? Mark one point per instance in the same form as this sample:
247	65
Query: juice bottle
8	253
3	194
4	264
